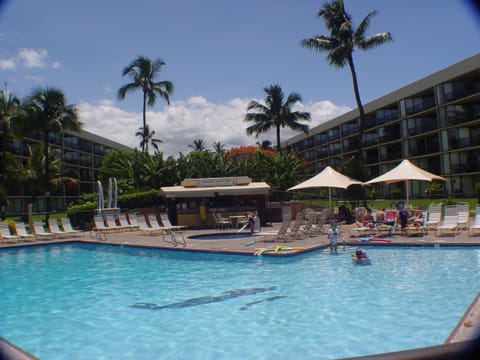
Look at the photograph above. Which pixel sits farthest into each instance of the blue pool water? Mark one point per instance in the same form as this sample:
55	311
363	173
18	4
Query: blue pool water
81	301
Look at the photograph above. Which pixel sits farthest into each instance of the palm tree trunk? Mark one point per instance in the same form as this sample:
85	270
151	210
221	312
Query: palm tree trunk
361	125
47	177
144	119
279	146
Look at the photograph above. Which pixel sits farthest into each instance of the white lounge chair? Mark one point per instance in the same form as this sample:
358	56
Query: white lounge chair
178	229
276	236
434	216
21	231
450	221
68	228
133	220
100	230
112	224
476	222
40	231
463	216
55	228
6	235
145	228
122	219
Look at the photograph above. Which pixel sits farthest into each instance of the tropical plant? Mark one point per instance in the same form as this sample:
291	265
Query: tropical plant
143	71
147	137
342	42
218	147
275	114
10	108
34	174
47	111
265	144
197	145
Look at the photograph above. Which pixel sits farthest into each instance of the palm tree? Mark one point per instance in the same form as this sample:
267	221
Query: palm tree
10	108
264	145
147	137
218	147
341	44
144	71
48	112
275	113
198	145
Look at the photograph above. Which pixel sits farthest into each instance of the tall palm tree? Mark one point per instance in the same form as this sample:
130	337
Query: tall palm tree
342	42
10	108
48	112
275	113
143	71
198	145
148	137
218	147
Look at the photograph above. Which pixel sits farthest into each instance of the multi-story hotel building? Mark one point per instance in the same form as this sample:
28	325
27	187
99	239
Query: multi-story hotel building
434	122
82	154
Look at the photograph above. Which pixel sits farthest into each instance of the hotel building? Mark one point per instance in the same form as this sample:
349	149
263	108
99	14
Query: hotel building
434	122
82	154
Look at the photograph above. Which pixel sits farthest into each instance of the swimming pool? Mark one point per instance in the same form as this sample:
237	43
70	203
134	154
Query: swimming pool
82	301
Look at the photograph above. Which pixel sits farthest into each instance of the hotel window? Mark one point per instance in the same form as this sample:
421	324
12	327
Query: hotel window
389	133
421	125
386	115
423	145
71	157
418	103
390	152
322	152
70	141
370	121
349	128
369	139
333	134
321	138
350	144
334	149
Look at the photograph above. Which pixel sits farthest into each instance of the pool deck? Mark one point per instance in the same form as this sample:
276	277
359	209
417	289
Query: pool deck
467	329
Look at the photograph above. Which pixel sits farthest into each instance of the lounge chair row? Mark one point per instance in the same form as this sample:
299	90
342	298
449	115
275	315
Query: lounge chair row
38	232
148	225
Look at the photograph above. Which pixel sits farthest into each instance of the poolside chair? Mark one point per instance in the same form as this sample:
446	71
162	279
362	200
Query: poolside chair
133	220
55	228
417	230
21	231
40	231
145	228
450	221
165	231
112	224
100	230
6	235
463	215
68	228
166	222
434	216
221	222
280	235
476	222
122	219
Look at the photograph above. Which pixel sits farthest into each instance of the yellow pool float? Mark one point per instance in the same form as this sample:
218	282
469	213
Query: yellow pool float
276	249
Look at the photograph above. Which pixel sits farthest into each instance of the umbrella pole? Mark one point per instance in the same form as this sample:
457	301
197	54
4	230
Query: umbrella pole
329	197
407	192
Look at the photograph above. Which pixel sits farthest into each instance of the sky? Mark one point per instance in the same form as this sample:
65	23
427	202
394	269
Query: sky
220	55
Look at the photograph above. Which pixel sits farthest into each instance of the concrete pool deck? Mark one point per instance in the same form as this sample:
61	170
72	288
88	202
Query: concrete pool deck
466	330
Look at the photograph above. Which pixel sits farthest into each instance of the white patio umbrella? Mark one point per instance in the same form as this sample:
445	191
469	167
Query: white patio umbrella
328	177
405	171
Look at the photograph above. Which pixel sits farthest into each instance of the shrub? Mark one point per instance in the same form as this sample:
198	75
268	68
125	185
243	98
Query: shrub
81	214
146	199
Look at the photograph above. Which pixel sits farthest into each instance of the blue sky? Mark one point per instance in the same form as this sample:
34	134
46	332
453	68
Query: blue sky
219	54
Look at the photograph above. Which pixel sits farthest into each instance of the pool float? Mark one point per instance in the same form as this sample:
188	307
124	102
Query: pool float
250	243
276	249
372	238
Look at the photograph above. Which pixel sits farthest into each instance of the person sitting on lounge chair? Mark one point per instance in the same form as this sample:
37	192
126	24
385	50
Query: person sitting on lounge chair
367	219
417	219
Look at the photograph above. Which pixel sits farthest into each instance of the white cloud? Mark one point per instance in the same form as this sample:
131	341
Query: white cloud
185	121
29	58
7	64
